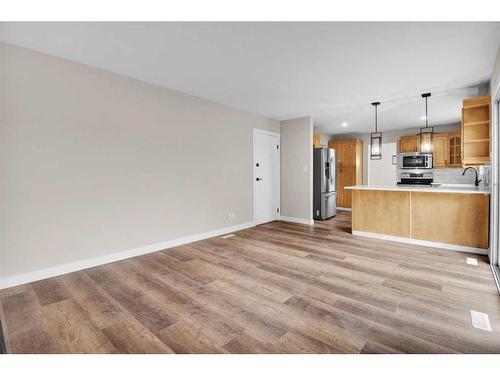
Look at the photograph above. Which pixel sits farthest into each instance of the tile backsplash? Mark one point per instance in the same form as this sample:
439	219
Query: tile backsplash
454	175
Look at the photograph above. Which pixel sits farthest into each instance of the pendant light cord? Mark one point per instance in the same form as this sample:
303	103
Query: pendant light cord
376	104
426	96
426	114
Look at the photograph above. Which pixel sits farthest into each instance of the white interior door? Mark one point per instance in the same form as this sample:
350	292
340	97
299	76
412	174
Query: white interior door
266	176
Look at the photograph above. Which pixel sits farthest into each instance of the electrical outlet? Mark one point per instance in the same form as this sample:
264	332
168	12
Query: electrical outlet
231	215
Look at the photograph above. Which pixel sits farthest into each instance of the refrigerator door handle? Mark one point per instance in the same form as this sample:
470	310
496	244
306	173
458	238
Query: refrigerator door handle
332	173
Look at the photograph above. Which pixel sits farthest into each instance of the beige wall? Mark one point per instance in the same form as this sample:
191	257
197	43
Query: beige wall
93	163
296	169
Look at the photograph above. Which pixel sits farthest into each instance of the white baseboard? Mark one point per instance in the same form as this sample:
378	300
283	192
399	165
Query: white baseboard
441	245
298	220
62	269
344	209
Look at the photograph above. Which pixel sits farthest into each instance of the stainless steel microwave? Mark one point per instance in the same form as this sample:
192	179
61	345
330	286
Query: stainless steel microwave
415	161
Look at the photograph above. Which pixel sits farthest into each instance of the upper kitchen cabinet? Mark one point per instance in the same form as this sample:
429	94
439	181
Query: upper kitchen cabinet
409	143
349	168
455	149
440	150
316	140
447	150
476	119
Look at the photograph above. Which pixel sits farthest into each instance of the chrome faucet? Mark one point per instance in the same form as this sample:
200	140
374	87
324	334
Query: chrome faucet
476	182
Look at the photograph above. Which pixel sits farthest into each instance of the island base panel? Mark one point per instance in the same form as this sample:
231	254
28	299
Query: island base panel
459	219
446	218
384	212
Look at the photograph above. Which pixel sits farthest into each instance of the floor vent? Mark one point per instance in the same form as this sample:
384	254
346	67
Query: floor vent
480	320
472	261
228	236
3	350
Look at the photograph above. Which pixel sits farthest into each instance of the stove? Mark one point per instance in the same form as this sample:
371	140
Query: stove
416	178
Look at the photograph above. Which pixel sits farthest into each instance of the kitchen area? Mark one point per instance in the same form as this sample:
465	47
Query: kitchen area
425	186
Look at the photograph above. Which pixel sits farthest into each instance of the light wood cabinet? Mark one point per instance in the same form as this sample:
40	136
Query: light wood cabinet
349	156
440	150
455	149
476	130
446	152
446	218
316	140
459	219
409	143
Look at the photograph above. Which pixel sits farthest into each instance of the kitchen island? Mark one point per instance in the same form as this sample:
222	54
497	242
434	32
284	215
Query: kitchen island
453	217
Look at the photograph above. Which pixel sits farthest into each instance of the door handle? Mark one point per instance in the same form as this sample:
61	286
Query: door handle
258	179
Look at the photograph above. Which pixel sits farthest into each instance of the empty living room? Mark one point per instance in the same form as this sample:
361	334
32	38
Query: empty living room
237	182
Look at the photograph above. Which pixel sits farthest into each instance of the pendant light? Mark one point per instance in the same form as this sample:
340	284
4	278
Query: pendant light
376	138
427	133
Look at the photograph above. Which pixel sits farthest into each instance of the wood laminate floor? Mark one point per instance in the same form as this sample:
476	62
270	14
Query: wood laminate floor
276	288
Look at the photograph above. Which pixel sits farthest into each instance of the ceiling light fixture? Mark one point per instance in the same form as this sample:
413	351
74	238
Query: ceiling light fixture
376	138
427	133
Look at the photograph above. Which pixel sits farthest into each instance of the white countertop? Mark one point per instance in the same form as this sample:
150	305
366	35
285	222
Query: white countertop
443	188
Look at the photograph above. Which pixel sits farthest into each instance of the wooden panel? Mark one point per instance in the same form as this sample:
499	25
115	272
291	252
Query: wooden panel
460	219
455	149
476	131
359	163
316	140
410	143
348	171
349	154
476	149
384	212
340	188
476	101
440	152
417	143
476	114
348	179
406	145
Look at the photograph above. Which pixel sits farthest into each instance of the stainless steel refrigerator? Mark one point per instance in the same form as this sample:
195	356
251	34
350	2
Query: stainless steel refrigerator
324	194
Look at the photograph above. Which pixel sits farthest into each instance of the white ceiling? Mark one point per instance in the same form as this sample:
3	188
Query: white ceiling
332	70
